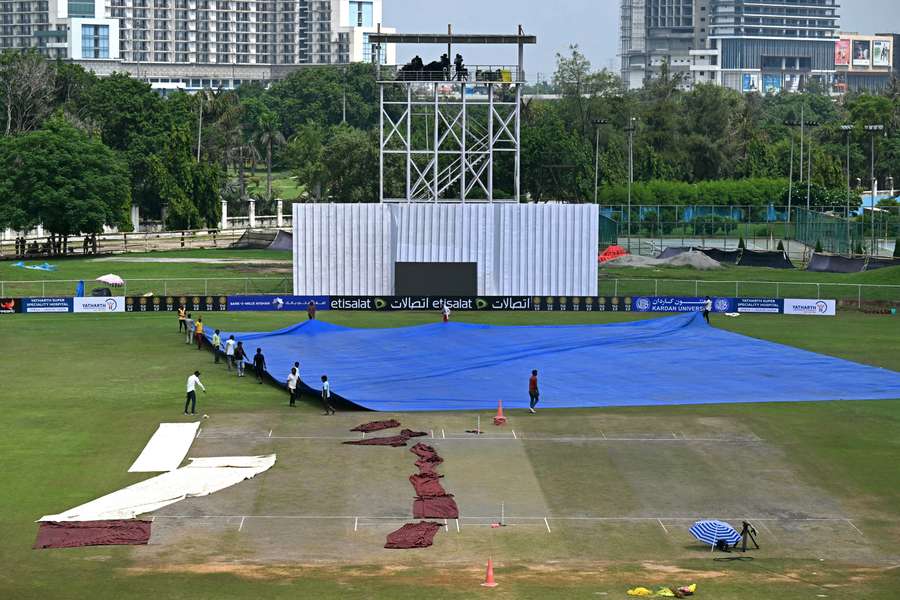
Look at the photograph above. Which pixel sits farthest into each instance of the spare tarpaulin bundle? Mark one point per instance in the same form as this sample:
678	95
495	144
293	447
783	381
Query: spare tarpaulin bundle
377	426
723	256
394	440
413	535
201	477
439	507
611	253
425	452
74	534
880	263
834	263
427	485
672	251
776	259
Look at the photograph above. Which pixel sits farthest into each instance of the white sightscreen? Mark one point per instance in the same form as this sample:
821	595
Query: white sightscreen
521	249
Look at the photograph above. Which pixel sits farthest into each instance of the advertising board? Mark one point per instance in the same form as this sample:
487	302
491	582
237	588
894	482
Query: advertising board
817	308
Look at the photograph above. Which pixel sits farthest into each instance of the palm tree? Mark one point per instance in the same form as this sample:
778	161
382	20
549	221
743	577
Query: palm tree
268	135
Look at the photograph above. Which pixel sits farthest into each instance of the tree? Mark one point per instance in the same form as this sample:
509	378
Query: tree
305	153
62	178
268	135
27	86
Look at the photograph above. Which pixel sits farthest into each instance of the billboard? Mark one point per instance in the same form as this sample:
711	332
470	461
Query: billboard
171	303
9	306
772	84
286	303
861	53
881	53
750	83
818	308
109	304
46	305
842	53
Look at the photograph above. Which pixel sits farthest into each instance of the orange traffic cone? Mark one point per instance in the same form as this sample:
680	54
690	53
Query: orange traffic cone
499	419
489	578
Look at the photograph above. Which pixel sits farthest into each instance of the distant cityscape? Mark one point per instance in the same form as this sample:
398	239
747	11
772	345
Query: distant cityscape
751	46
745	45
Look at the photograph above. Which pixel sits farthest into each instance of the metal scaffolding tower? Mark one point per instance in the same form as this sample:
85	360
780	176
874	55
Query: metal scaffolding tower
449	132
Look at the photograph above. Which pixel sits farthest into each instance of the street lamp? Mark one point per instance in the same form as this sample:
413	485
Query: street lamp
597	123
873	130
632	127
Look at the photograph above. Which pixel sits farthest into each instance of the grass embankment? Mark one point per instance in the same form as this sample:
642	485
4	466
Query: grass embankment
143	277
82	394
761	282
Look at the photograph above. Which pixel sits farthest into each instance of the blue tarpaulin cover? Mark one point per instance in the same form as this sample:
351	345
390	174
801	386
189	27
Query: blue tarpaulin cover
462	366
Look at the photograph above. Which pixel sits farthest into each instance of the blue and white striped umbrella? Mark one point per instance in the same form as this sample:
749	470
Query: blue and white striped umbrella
710	531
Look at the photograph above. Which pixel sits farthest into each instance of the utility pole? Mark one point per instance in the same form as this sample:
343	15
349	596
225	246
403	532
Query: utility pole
790	181
803	125
597	123
199	125
630	129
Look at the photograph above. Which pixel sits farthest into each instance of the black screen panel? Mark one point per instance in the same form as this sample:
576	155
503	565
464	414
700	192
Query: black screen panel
436	279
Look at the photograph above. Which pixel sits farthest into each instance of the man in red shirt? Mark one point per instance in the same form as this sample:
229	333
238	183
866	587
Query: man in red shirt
533	392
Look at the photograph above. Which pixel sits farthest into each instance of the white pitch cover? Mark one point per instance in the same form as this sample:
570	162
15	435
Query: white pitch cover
201	477
166	449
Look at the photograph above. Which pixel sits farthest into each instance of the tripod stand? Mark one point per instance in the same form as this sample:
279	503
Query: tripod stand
748	532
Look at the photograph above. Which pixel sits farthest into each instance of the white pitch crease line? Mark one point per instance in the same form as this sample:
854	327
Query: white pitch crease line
514	434
443	435
457	525
446	526
547	524
241	526
850	523
766	527
674	435
661	523
355	523
199	429
270	432
432	434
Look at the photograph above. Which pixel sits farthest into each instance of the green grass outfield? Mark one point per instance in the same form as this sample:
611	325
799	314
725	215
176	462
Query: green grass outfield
82	395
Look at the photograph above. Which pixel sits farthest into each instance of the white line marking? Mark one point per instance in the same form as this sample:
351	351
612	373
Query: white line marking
241	526
432	434
663	526
199	429
270	432
547	524
849	522
602	436
766	527
674	435
457	525
153	518
355	523
514	434
443	435
493	519
446	526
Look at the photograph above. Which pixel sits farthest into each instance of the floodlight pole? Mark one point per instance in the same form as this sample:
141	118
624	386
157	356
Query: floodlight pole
848	129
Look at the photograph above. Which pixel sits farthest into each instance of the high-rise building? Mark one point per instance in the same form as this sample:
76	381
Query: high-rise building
746	45
191	44
774	45
661	32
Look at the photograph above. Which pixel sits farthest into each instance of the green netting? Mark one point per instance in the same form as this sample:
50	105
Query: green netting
835	234
609	232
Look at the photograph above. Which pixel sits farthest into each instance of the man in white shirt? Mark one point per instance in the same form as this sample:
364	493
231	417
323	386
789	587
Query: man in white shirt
229	352
445	312
707	308
326	396
192	383
292	384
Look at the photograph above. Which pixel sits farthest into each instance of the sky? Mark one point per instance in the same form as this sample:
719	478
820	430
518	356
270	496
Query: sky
592	24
